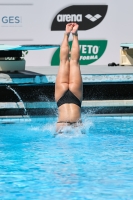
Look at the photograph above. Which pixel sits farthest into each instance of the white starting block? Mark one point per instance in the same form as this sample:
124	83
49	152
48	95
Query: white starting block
126	54
12	59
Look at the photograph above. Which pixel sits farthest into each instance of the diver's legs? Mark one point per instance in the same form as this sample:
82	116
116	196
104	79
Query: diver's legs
62	79
75	79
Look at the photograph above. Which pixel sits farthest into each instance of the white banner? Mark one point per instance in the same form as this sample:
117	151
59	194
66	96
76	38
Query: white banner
32	21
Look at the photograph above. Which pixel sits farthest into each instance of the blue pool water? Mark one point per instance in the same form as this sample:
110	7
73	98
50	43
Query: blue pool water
97	165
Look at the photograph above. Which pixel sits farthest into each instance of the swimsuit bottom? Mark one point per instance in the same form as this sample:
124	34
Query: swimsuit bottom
68	97
71	123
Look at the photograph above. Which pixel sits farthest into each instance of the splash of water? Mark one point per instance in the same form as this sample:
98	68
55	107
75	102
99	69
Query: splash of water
46	99
67	132
87	122
10	88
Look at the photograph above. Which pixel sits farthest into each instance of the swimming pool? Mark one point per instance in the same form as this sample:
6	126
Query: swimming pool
96	165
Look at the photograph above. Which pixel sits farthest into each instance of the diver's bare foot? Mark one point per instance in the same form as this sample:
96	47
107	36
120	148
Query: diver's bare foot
75	29
69	28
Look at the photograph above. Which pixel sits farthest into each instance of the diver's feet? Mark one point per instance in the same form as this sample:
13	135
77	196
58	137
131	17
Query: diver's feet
69	28
75	29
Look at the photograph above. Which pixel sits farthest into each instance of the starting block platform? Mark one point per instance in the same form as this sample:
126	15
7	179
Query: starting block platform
12	56
126	54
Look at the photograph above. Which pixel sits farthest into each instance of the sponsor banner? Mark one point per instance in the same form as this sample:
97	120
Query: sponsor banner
90	51
87	16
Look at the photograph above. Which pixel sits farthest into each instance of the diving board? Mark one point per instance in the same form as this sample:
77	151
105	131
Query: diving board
126	45
27	47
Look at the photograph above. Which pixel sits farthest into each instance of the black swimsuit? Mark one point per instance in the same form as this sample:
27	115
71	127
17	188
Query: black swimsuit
68	97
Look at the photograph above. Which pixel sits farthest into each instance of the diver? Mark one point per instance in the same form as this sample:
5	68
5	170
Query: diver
68	85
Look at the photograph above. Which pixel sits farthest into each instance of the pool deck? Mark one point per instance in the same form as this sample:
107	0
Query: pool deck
90	74
90	69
